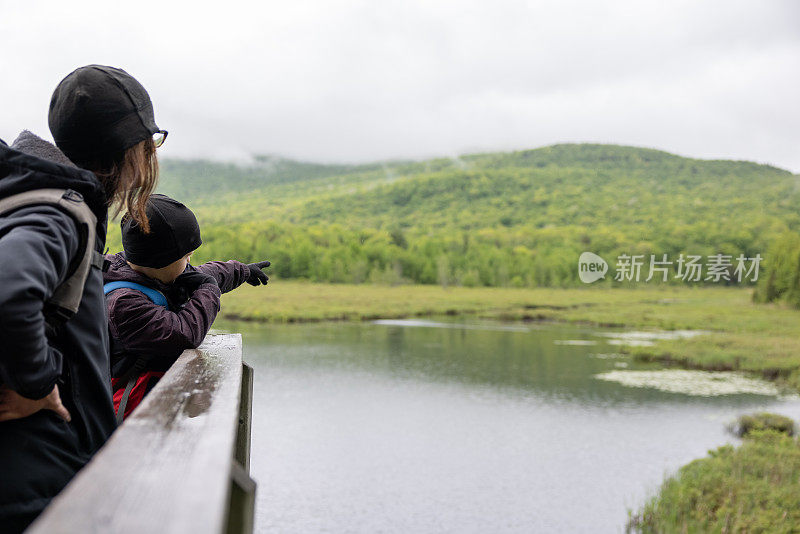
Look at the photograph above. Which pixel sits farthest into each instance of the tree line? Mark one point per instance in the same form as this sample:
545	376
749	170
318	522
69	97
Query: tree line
517	219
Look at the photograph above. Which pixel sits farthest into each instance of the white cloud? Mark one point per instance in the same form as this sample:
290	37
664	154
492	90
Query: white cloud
356	81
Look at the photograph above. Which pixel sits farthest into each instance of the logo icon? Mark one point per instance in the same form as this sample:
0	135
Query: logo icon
591	267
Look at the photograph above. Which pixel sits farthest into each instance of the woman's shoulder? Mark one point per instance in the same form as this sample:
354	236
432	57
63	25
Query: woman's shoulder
41	226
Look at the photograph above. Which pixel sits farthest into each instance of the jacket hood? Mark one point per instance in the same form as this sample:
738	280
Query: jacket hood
33	163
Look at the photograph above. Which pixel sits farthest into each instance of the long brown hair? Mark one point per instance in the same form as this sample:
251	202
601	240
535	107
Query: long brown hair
129	178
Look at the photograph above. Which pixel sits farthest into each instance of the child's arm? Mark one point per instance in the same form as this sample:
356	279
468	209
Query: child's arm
228	274
231	274
146	329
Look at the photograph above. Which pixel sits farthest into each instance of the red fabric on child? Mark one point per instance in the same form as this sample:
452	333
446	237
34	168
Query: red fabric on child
146	381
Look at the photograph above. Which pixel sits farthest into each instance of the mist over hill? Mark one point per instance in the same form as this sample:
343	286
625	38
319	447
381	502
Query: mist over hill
513	218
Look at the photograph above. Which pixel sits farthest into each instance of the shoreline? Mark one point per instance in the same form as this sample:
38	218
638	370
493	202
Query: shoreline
757	339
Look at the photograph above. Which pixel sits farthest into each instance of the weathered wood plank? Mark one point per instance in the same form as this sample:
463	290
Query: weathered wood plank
168	467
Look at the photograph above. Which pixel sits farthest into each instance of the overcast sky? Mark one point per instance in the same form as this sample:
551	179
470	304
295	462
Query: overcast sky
360	81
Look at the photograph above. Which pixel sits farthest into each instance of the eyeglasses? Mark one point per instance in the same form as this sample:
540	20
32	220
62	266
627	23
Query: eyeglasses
159	137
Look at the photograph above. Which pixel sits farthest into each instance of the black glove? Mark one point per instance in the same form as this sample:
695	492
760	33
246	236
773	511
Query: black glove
187	283
257	276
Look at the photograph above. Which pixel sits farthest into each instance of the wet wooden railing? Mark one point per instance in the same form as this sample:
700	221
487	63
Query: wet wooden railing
179	462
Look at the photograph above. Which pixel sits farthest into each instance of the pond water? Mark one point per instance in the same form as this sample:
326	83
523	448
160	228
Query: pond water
440	426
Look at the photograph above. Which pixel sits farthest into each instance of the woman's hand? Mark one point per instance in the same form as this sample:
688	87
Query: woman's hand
15	406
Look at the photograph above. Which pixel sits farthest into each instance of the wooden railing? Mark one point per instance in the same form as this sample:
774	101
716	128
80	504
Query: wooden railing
179	463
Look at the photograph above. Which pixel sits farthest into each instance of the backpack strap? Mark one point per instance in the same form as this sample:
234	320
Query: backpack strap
133	377
66	298
158	298
155	296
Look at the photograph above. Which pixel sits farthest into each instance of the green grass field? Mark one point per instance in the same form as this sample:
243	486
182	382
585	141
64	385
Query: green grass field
294	301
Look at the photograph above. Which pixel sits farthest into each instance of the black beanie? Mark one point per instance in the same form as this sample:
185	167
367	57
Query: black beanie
97	111
174	233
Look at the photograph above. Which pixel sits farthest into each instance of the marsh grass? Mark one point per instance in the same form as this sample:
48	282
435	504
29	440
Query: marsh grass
292	301
751	488
757	422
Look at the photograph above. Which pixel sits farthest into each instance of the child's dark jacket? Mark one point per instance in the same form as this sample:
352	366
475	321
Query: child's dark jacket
139	327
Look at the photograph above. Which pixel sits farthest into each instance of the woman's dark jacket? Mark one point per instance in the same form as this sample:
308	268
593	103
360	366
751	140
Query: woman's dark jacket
39	454
140	328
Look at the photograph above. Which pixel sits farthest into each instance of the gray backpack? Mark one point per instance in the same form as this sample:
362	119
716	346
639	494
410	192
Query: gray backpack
67	296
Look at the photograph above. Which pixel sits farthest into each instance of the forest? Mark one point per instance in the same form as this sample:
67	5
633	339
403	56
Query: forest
514	219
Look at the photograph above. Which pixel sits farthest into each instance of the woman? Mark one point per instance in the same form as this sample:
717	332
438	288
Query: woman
55	399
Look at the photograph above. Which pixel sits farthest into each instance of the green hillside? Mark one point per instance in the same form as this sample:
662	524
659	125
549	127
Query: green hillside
519	218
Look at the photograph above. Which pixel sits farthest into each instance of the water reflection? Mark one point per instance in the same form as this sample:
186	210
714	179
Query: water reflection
558	362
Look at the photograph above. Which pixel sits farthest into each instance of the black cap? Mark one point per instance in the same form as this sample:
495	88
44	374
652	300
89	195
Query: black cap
98	110
174	233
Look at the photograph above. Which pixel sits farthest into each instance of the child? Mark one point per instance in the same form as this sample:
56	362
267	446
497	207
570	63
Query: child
158	304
